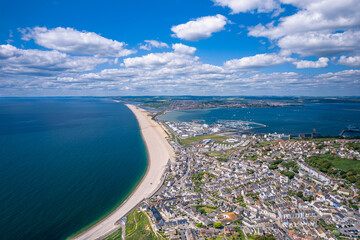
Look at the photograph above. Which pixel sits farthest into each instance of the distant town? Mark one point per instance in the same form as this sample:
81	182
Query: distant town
170	103
227	185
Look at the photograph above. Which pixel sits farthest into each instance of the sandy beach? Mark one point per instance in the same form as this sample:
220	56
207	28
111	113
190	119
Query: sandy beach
159	152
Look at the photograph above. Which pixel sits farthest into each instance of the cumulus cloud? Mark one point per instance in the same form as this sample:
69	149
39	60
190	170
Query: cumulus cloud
351	76
180	57
321	28
238	6
200	28
149	44
7	51
156	60
320	63
257	61
180	71
70	40
183	49
15	61
329	15
203	78
175	72
350	61
321	44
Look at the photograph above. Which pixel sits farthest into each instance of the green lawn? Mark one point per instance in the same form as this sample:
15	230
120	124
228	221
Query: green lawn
213	154
205	209
115	236
337	162
142	230
327	163
220	156
130	223
264	144
189	141
345	164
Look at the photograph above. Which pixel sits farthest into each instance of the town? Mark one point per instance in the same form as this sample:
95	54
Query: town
227	185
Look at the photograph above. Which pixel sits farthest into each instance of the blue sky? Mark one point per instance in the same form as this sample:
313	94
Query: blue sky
176	47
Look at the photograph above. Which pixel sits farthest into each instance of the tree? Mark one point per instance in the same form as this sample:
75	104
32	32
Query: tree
218	225
200	225
352	179
273	166
310	198
299	194
278	161
289	174
336	232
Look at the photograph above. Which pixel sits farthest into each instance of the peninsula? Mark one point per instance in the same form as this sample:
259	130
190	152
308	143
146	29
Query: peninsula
159	153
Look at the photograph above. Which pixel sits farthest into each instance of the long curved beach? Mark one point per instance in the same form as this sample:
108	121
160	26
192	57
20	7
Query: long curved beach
159	153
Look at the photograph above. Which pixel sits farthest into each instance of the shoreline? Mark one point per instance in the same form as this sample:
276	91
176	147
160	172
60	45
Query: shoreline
159	152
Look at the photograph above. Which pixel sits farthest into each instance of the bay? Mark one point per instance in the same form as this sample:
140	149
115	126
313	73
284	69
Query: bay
64	164
327	119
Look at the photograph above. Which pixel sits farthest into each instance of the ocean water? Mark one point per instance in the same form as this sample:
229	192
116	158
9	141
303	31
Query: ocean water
327	119
64	164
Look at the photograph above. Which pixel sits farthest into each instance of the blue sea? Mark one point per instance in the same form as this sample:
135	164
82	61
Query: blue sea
327	119
64	164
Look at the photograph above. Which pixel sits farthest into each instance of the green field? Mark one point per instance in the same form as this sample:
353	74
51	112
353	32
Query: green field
191	140
138	227
213	154
220	156
327	163
265	144
336	162
205	209
345	164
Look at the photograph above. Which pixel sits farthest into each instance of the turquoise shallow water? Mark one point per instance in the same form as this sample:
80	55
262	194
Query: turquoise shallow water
64	163
327	119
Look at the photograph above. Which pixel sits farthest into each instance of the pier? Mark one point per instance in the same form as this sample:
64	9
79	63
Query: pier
348	131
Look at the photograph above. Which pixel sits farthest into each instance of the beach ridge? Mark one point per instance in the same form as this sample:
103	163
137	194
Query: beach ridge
159	153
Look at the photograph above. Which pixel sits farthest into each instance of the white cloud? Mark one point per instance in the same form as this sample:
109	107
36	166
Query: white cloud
156	60
329	15
320	63
321	44
183	49
7	51
321	28
201	78
200	28
153	43
180	73
238	6
70	40
257	61
350	61
180	57
15	61
347	76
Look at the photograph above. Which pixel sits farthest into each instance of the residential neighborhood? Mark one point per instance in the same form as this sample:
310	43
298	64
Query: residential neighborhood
246	186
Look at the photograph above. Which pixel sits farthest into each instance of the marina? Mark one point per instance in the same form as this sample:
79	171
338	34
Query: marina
287	120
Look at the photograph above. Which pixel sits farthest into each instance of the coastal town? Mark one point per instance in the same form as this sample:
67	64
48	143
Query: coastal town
231	185
180	120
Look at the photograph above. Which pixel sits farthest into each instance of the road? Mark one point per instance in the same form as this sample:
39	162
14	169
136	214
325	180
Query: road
123	230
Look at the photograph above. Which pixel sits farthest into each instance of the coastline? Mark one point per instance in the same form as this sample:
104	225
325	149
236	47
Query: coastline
159	152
